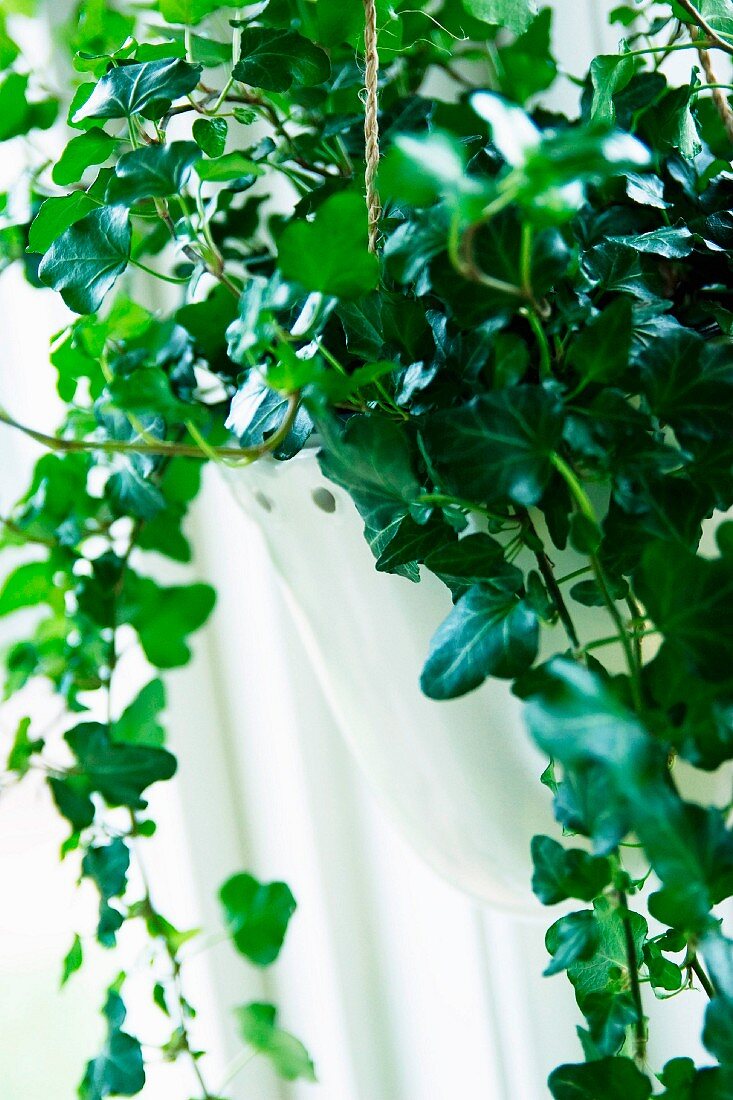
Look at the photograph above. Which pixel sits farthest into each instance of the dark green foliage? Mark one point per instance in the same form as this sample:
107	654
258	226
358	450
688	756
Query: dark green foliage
527	392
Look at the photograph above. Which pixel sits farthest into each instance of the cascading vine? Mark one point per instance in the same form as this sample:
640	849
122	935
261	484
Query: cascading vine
527	391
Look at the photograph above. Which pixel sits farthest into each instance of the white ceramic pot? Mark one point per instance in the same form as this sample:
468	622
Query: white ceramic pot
461	777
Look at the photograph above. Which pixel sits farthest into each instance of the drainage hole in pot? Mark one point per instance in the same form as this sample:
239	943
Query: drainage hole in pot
324	499
264	502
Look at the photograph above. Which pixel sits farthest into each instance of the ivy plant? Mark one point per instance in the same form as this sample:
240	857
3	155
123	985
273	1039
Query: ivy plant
525	385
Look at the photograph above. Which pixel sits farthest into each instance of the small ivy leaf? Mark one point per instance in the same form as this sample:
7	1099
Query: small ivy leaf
229	166
372	459
690	599
527	64
23	749
147	88
73	960
257	916
155	171
92	147
72	801
138	724
515	15
330	253
257	411
19	116
600	353
130	492
165	616
498	447
671	242
413	543
28	585
55	216
570	939
210	134
119	772
477	558
488	633
421	168
118	1070
275	59
611	1078
609	74
560	874
578	720
107	865
717	1034
258	1027
85	262
605	967
609	1014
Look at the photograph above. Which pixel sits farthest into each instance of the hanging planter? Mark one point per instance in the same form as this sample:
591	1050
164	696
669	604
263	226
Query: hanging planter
509	332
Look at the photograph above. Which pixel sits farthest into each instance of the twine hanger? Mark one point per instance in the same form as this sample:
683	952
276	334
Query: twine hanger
371	122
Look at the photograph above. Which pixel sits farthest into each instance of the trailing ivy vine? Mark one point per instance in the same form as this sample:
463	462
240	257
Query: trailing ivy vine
533	369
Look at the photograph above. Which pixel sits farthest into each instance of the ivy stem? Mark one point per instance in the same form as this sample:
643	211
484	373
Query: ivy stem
633	962
548	575
585	508
699	18
695	966
161	447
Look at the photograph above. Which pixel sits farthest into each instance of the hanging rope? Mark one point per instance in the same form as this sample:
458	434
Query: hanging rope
371	122
720	99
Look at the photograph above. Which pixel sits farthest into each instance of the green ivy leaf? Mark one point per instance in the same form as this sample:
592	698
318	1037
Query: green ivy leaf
191	12
155	171
275	59
23	749
210	134
560	874
717	1034
600	353
119	1069
330	254
488	633
138	724
17	114
477	558
371	458
55	216
257	916
609	74
28	585
147	89
611	1078
119	772
73	960
258	1027
572	938
497	447
85	262
164	617
229	166
515	15
690	599
92	147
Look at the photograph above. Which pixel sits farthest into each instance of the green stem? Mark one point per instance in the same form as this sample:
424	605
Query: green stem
157	274
161	447
633	965
545	367
585	508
